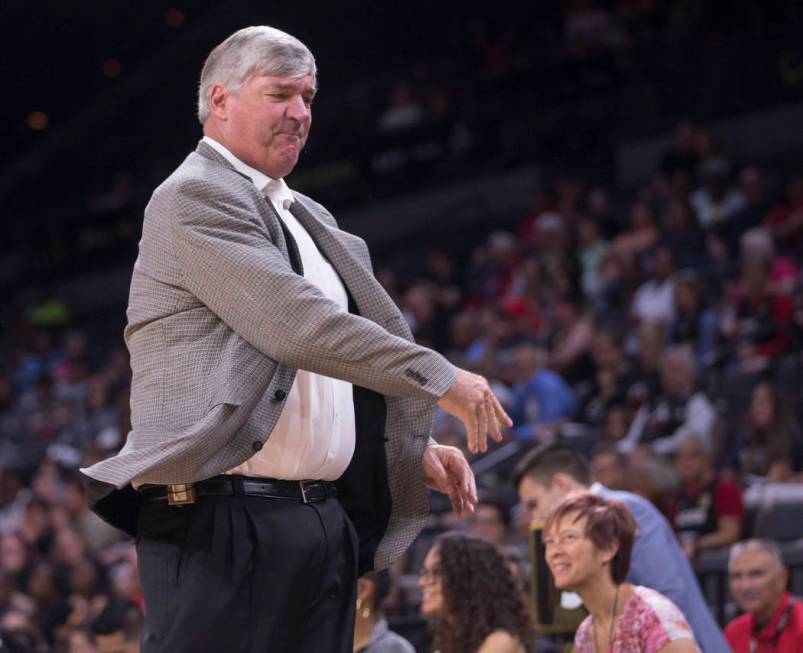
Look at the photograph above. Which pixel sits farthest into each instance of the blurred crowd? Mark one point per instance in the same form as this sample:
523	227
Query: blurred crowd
656	329
659	331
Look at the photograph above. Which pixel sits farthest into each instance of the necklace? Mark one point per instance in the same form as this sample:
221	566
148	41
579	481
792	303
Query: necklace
613	622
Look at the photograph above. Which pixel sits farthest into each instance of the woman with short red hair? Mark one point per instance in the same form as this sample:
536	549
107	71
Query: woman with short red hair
588	544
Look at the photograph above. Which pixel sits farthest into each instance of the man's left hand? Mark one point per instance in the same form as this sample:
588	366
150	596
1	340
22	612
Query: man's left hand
447	470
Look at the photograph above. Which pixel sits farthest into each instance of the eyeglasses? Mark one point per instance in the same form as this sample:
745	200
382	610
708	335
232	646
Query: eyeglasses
564	538
428	576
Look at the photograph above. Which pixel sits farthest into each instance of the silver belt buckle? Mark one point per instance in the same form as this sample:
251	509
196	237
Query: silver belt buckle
181	494
303	492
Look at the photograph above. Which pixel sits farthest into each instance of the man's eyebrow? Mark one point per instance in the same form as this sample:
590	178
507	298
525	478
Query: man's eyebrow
291	86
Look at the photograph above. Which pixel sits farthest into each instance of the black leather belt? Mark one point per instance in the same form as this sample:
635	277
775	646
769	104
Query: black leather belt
239	486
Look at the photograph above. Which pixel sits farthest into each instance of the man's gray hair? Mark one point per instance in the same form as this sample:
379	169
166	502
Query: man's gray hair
257	50
767	546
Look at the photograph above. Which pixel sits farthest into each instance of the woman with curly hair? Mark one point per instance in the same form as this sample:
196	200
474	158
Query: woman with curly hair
474	603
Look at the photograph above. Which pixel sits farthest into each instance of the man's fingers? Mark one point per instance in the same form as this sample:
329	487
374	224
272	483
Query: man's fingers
463	479
493	422
470	424
438	473
500	413
482	430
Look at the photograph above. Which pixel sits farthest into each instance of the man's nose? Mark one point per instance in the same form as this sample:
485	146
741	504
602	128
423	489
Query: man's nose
297	109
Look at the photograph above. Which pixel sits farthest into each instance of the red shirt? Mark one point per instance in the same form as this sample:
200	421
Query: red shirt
775	637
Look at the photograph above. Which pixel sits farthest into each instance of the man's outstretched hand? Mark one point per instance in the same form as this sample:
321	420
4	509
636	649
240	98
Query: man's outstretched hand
471	401
447	470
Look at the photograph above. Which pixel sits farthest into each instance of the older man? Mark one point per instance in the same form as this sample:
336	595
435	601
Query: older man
773	620
706	510
281	411
680	411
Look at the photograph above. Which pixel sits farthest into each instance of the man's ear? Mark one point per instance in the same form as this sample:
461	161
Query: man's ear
562	482
218	101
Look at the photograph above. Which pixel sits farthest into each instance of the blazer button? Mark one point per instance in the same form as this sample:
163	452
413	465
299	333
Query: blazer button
256	445
279	395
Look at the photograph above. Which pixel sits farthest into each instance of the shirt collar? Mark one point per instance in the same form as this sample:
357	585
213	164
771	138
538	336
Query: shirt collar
380	630
770	630
276	189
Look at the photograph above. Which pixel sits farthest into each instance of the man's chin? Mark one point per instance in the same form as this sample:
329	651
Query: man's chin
284	165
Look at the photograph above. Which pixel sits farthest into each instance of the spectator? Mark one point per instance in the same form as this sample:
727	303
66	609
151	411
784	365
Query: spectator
14	556
756	245
683	236
771	445
458	566
570	341
609	467
651	350
773	620
642	233
694	325
588	542
403	110
52	608
116	629
371	631
615	425
19	635
611	379
680	411
785	220
593	248
683	156
751	215
549	474
706	510
80	641
716	202
757	325
541	398
490	521
654	300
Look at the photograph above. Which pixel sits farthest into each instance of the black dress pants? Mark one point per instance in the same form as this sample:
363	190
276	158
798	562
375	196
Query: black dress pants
247	575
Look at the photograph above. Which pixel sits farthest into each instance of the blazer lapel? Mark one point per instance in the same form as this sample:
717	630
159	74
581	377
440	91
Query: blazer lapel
369	295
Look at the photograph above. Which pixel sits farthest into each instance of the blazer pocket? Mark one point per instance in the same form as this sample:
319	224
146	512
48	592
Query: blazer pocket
225	395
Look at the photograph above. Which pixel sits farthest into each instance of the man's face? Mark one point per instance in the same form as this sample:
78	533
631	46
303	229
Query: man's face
757	582
608	471
266	123
487	523
539	500
692	462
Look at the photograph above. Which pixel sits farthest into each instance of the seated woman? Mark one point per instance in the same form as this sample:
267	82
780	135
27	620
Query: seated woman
372	633
474	603
588	542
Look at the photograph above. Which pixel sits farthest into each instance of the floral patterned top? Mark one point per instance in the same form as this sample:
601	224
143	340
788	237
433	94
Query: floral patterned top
649	622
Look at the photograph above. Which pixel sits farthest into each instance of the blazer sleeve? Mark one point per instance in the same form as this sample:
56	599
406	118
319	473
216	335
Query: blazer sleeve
227	260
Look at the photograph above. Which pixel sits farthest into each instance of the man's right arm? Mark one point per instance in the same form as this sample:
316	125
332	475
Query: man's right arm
228	262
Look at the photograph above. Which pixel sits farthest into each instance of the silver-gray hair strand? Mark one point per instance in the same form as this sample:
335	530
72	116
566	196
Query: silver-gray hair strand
766	546
256	50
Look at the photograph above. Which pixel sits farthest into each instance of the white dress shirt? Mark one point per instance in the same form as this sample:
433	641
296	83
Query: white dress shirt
314	437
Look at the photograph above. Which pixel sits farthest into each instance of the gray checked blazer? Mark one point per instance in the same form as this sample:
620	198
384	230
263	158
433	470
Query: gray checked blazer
220	318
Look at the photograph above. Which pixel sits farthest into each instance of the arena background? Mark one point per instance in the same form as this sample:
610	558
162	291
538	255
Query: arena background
517	170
